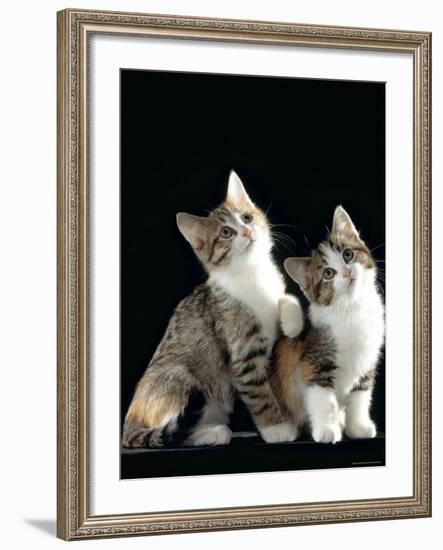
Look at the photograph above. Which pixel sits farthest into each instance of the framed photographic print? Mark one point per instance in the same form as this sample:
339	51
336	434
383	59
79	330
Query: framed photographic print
243	274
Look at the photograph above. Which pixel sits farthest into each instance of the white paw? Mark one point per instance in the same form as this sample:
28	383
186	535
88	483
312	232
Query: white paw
210	435
329	433
279	433
342	418
361	430
291	316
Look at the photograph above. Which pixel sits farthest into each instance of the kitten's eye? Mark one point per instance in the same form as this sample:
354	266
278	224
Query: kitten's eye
247	218
226	232
348	255
329	273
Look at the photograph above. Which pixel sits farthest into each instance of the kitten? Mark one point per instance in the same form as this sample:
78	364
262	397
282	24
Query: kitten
219	338
327	378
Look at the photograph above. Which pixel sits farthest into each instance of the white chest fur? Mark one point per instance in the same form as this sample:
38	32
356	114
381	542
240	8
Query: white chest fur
259	287
358	332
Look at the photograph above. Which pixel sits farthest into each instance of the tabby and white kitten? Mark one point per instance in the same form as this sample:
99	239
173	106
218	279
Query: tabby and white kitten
219	338
327	378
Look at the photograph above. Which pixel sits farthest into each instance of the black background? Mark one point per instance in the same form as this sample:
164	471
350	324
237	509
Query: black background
300	146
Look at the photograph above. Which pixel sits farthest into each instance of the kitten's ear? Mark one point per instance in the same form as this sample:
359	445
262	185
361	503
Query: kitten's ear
236	194
342	223
299	269
194	229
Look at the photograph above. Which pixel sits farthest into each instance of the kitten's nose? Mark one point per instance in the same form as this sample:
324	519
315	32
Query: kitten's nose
347	273
247	233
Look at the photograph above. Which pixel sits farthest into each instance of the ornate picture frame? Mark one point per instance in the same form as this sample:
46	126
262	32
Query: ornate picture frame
75	519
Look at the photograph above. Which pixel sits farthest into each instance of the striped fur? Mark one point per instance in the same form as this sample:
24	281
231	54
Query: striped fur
326	379
219	338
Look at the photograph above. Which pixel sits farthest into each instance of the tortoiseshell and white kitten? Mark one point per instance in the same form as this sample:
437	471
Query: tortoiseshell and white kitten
219	338
327	378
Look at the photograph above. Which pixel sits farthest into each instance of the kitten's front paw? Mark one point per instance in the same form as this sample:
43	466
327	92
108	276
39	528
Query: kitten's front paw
329	433
210	435
279	433
291	316
361	429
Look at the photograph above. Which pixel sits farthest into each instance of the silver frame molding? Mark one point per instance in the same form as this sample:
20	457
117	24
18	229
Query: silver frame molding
74	518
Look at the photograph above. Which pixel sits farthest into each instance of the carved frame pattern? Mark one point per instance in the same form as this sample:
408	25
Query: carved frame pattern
75	28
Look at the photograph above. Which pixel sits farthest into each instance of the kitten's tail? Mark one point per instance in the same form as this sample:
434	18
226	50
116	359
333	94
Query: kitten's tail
171	434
